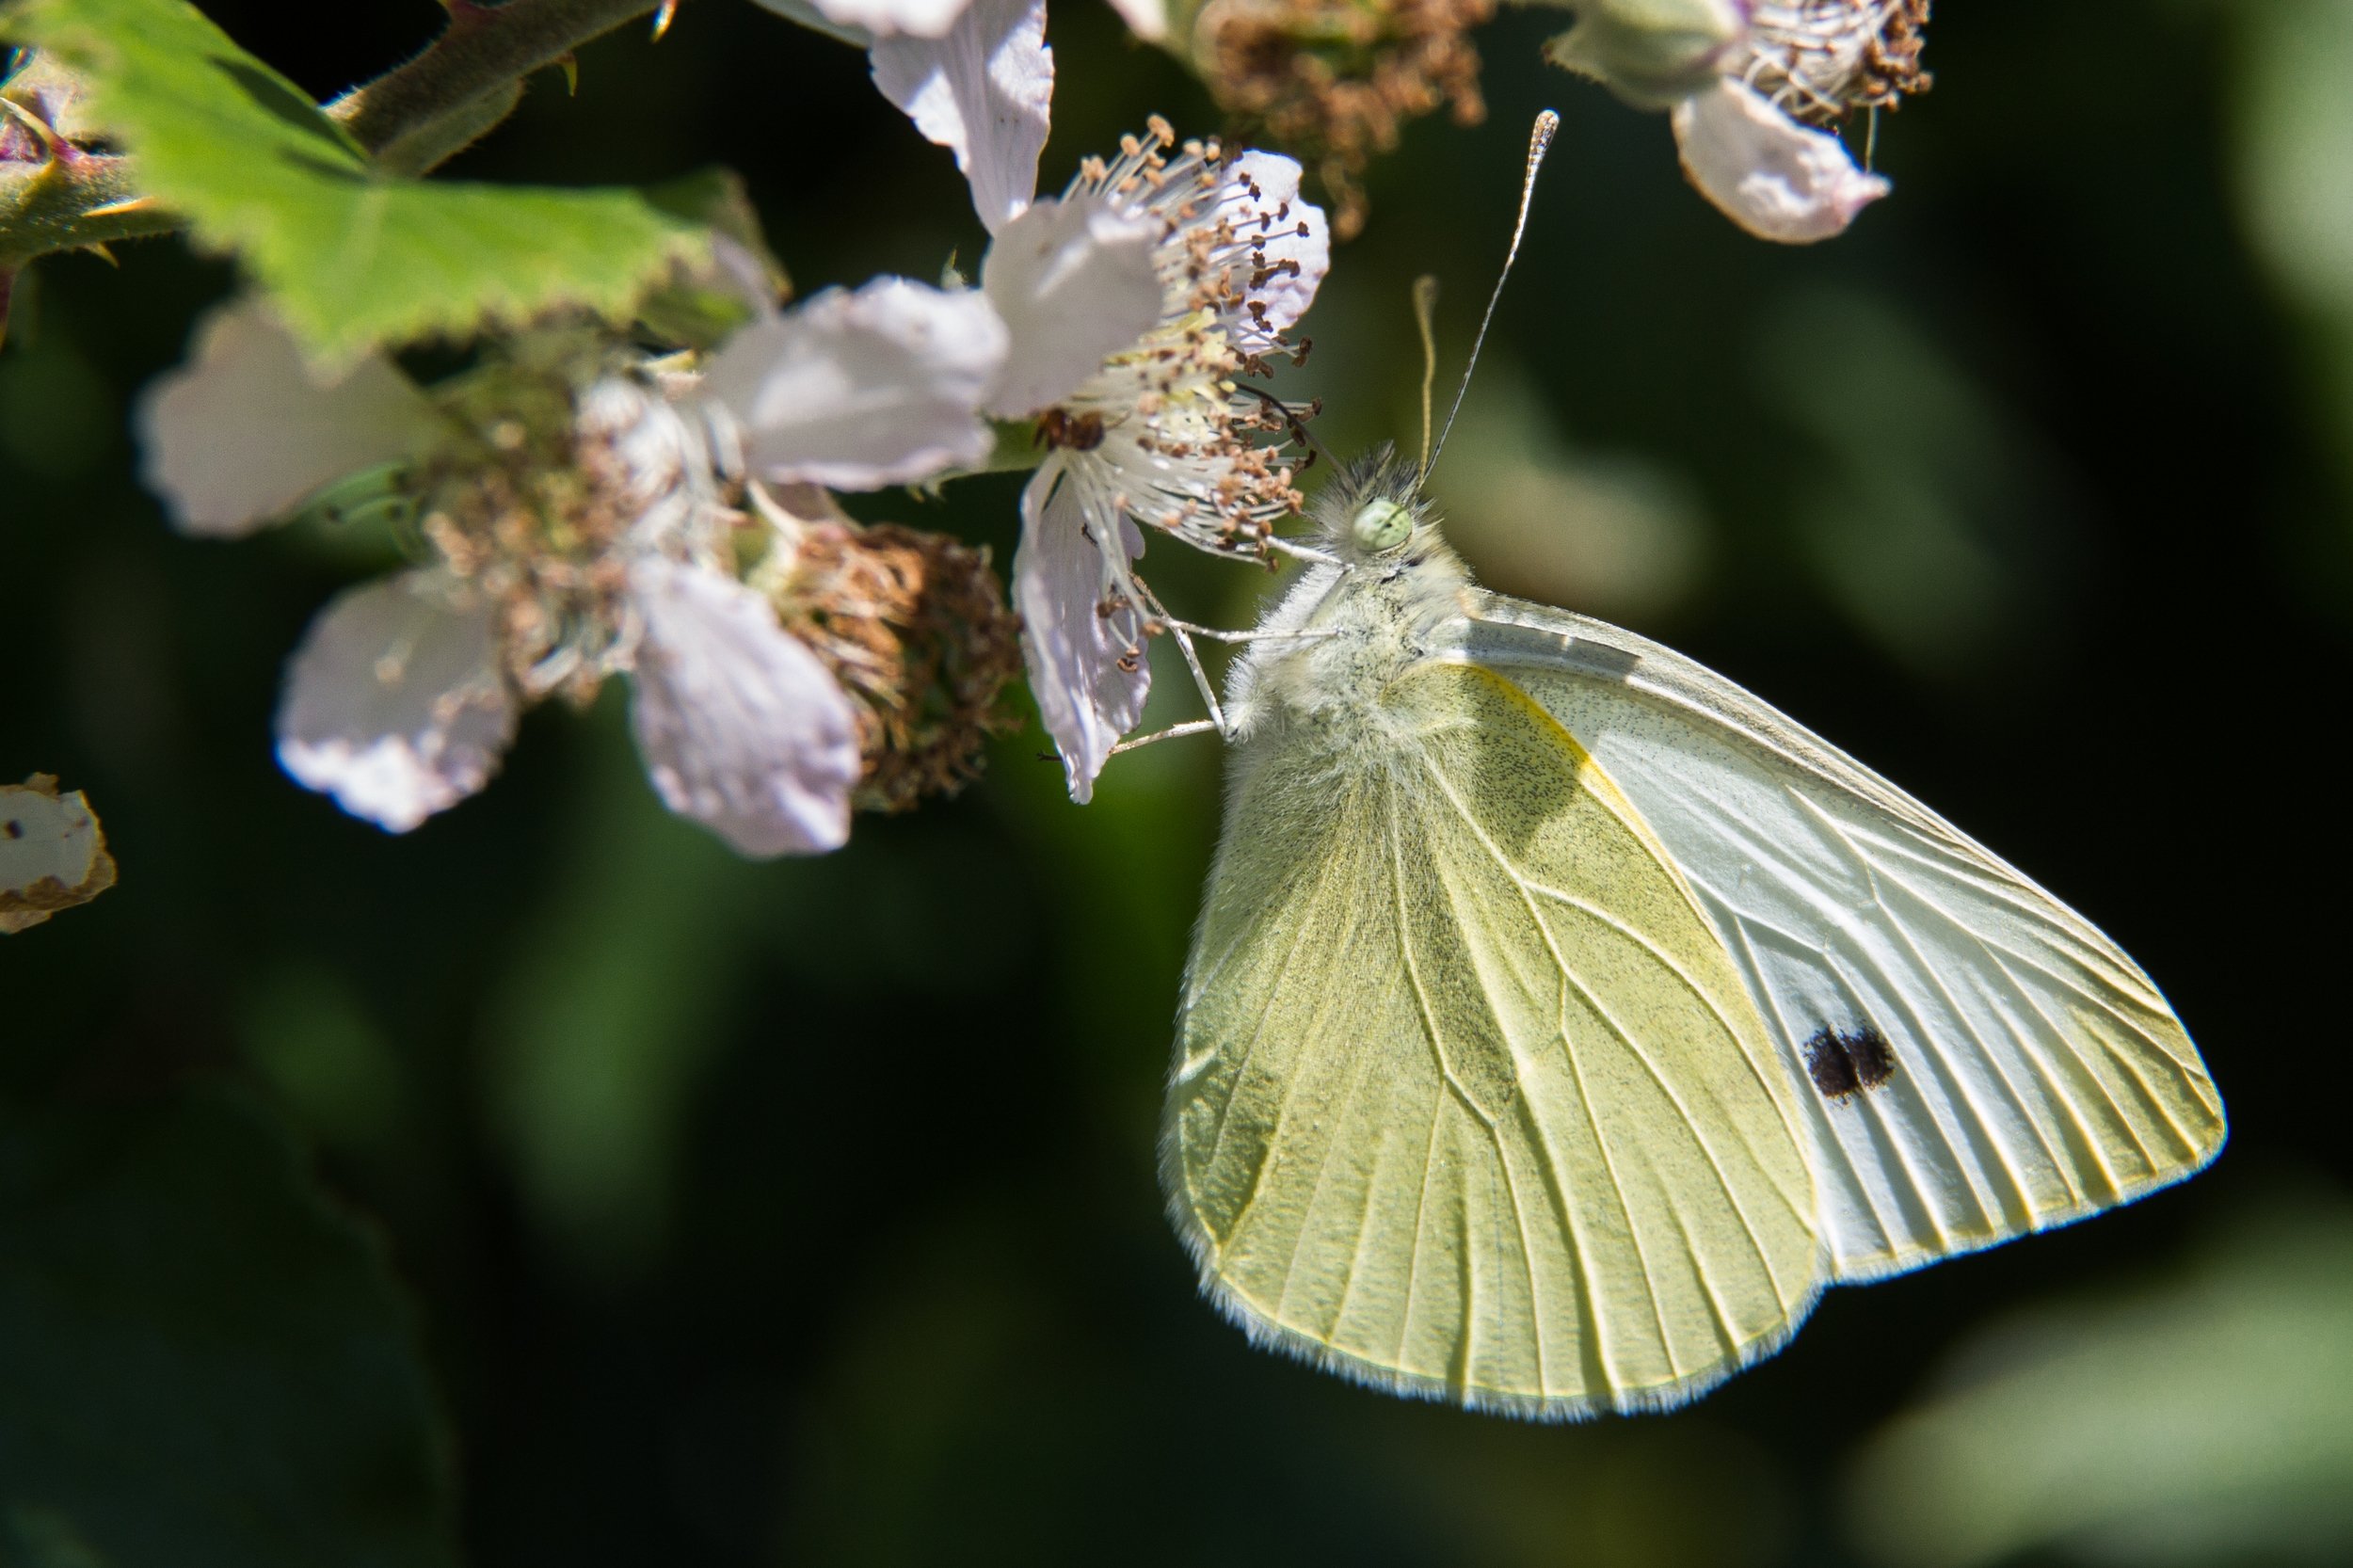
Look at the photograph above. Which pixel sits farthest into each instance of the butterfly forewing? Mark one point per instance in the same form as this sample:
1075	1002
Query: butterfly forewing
1975	1059
1470	1101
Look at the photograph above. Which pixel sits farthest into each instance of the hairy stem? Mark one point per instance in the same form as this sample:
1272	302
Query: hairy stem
70	202
417	114
484	49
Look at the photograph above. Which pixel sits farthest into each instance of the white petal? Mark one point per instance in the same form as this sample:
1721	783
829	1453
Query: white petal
394	703
1146	18
742	727
1263	190
1775	178
248	427
860	20
53	854
1061	578
1074	280
859	390
982	91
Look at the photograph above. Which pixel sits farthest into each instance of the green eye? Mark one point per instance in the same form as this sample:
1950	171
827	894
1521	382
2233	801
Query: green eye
1382	525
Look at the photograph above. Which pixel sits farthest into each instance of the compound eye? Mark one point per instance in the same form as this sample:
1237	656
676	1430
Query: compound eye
1381	526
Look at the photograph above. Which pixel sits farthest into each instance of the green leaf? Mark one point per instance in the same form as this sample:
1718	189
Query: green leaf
202	1363
353	255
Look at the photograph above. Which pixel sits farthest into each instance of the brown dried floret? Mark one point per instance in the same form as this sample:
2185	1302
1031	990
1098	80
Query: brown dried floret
914	626
1820	60
1336	80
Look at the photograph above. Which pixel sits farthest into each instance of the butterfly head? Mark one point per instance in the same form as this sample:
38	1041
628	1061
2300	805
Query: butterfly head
1374	510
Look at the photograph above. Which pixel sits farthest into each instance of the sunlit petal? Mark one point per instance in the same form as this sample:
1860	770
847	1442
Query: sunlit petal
1262	199
984	92
742	727
394	703
1075	283
856	20
1082	636
248	427
1777	179
1146	18
859	390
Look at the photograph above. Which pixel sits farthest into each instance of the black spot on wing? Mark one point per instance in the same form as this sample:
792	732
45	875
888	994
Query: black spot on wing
1843	1063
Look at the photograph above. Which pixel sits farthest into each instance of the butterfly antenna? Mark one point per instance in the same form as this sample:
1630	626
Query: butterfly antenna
1425	313
1539	143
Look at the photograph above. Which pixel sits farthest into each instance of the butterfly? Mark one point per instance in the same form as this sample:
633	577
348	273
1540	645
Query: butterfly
1562	1020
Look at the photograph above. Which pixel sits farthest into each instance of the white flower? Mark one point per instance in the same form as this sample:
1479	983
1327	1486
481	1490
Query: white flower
581	531
974	75
742	728
1131	304
1082	630
1150	428
984	92
397	703
52	853
249	427
1751	85
861	22
860	390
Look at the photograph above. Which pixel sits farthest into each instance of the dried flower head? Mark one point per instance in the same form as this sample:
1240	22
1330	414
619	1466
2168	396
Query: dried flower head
561	465
1338	79
914	627
1818	60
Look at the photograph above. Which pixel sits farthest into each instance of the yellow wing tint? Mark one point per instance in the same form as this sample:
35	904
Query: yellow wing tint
1469	1101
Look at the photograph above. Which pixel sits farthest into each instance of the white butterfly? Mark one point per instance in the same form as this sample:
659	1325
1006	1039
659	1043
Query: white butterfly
1562	1020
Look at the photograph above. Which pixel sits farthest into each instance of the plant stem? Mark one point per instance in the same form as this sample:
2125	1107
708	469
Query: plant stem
464	83
72	202
484	48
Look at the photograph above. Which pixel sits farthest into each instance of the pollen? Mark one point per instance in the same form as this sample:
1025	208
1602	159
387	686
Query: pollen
1165	432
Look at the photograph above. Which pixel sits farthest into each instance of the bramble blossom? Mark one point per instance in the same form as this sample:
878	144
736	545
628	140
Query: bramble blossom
1752	86
969	72
1132	304
1156	432
862	22
569	494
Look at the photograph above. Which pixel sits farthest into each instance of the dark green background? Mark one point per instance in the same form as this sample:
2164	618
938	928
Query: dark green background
805	1211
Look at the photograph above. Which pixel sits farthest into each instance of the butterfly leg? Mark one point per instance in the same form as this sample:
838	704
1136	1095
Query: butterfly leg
1190	726
1219	635
1180	631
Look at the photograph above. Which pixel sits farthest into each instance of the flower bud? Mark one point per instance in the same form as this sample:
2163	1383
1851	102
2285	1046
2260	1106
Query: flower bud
1651	52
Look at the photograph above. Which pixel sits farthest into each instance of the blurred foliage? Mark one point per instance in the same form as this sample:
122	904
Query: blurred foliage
806	1212
200	1361
2195	1419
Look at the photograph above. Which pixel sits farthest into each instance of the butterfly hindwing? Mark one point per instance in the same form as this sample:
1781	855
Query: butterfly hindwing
1469	1100
1975	1060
